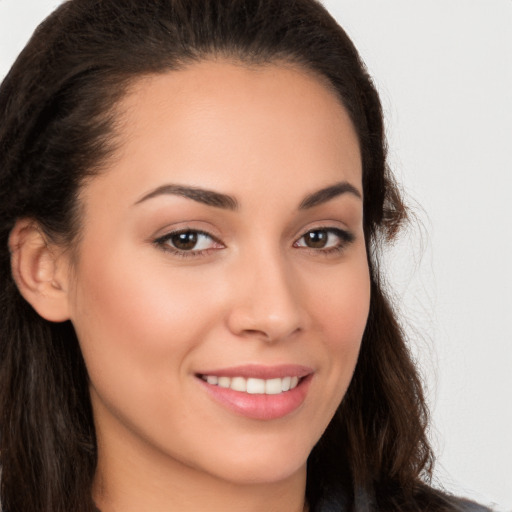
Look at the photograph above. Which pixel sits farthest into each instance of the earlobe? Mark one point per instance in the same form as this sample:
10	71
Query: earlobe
40	271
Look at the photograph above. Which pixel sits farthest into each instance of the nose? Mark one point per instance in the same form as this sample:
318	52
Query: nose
267	302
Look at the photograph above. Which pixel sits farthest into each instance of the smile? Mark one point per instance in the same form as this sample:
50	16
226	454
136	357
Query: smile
254	386
258	392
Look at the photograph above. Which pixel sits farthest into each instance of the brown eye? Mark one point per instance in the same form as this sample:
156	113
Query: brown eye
190	241
316	239
325	239
185	241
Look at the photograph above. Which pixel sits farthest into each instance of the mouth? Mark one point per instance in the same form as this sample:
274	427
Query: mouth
257	392
252	385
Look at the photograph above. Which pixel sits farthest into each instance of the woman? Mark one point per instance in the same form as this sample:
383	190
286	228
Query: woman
193	197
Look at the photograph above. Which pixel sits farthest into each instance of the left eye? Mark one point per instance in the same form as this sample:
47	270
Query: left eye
324	238
190	240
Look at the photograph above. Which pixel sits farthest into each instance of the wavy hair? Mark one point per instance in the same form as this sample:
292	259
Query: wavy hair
58	125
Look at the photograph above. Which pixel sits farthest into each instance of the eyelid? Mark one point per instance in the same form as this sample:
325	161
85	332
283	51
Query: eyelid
197	225
327	225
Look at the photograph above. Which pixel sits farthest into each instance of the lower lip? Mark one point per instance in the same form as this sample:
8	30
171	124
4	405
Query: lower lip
259	406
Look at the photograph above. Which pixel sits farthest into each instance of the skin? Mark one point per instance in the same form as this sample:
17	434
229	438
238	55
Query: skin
149	319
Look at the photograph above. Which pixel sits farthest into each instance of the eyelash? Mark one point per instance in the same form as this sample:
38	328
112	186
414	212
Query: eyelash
345	238
163	243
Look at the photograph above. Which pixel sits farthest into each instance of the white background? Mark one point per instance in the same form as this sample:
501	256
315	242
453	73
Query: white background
444	71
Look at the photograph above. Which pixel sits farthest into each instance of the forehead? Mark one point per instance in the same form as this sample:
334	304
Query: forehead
223	124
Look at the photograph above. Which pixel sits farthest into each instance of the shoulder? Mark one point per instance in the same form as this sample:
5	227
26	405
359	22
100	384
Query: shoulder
335	501
471	506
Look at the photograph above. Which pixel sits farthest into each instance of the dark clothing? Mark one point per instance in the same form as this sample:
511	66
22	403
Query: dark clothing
337	502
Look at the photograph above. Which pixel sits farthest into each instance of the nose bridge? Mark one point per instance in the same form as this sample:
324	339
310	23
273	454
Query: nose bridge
267	303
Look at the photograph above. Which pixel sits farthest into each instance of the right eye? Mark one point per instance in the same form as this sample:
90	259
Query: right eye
188	242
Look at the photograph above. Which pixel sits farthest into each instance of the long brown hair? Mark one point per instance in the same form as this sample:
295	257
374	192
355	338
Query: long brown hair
57	111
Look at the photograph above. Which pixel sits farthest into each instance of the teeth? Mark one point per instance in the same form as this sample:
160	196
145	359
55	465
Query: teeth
224	382
238	384
273	386
254	386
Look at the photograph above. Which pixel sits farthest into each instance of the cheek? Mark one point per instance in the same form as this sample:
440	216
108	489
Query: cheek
342	303
136	314
341	308
138	325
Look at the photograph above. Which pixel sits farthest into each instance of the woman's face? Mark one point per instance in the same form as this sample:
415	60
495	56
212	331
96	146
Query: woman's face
222	262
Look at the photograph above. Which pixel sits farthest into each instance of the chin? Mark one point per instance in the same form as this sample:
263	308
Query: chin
267	474
259	466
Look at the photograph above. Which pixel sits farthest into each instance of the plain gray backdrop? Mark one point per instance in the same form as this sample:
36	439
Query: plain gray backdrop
444	71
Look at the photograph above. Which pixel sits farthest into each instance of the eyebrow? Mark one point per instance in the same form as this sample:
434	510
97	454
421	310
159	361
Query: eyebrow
201	195
227	202
328	193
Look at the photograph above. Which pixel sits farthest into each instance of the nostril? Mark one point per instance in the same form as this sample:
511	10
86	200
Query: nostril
271	334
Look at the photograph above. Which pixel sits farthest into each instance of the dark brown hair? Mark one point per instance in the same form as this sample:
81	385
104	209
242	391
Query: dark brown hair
57	111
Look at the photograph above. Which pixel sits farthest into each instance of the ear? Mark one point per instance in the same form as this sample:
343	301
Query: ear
40	270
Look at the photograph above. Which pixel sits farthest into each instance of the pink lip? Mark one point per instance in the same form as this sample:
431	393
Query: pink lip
260	406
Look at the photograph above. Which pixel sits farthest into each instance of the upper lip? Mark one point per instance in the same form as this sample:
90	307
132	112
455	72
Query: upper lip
256	371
